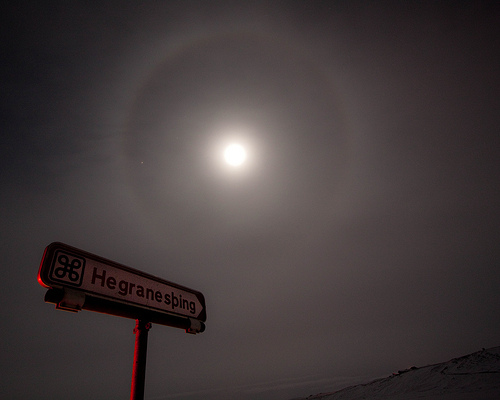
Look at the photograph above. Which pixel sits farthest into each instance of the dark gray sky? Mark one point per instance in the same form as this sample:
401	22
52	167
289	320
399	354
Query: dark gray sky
361	236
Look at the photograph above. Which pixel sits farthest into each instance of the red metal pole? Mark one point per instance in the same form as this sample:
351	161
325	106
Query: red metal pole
140	353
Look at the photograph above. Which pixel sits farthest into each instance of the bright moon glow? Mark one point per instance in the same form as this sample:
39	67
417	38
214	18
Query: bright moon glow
235	154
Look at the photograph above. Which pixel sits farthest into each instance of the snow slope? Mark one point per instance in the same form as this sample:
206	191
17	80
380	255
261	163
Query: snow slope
475	376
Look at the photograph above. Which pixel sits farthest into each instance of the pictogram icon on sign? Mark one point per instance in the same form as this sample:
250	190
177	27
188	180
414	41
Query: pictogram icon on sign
67	268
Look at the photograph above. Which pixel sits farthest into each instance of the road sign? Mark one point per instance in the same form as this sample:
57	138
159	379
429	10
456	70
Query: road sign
87	280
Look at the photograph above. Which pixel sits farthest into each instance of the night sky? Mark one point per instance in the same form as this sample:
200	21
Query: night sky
361	235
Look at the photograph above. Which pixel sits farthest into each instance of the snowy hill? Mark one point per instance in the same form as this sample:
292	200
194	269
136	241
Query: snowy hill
474	376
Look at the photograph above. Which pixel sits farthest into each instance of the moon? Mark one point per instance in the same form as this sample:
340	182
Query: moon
235	154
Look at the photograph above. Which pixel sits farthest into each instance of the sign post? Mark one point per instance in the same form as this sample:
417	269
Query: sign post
77	280
140	353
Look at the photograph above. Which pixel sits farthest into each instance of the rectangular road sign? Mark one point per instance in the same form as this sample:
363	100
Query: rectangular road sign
81	273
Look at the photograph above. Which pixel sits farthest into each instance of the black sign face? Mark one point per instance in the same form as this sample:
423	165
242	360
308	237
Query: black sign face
64	266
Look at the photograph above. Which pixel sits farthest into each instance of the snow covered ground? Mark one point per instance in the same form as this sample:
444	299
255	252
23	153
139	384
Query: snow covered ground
472	377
